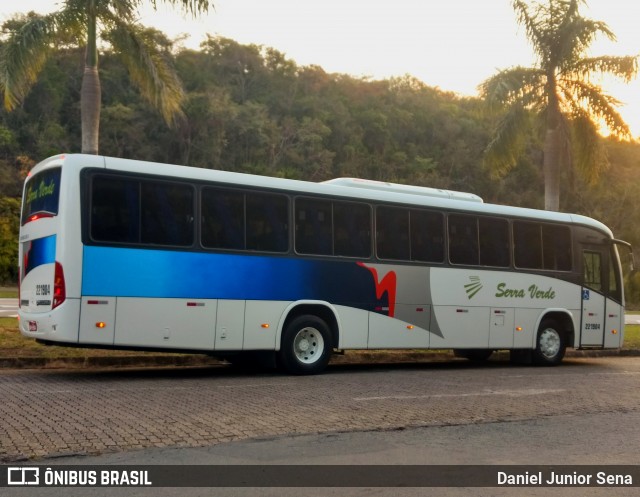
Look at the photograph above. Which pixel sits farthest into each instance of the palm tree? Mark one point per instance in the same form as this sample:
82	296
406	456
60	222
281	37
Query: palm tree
32	38
557	97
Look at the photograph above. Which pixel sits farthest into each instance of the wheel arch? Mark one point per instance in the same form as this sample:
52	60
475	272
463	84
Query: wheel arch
321	309
565	321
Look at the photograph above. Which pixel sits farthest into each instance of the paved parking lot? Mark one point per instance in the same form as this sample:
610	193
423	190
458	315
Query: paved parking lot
53	413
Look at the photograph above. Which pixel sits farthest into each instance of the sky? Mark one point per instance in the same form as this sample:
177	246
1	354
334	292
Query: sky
450	44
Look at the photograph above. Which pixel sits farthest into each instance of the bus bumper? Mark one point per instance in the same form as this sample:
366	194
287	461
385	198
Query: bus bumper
58	325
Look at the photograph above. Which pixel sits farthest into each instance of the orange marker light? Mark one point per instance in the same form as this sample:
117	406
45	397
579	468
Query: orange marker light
101	324
265	325
410	327
614	332
518	328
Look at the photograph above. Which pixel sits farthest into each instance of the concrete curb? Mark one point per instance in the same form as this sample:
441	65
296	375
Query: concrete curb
195	360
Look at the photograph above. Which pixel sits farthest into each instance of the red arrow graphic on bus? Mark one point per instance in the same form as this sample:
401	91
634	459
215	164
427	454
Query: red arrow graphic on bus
387	284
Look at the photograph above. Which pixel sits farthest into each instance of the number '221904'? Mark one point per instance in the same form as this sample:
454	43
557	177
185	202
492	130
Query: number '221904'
43	289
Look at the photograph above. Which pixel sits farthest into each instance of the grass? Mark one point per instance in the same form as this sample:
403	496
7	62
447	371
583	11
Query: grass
8	292
631	337
13	344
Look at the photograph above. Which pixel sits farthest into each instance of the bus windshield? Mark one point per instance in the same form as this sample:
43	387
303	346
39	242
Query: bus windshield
41	196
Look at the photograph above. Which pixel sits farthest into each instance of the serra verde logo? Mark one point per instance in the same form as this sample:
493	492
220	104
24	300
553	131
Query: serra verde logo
43	190
474	287
502	291
532	292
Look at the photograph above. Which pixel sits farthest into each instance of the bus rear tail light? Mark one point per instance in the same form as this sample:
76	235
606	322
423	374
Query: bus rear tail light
37	216
59	287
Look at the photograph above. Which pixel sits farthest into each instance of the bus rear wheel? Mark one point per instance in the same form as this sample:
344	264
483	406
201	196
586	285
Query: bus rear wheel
550	344
306	346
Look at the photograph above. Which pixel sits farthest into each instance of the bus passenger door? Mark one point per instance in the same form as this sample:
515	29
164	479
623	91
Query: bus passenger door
614	321
594	264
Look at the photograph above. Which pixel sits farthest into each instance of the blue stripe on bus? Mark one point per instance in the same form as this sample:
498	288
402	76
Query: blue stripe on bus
38	252
131	272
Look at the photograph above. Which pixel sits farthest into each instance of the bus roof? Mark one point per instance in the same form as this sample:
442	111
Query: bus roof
348	188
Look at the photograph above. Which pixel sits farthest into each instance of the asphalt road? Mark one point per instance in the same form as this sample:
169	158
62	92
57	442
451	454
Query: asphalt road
8	308
558	440
586	411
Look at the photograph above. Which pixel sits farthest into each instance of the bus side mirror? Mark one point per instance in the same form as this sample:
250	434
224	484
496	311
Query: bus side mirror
632	260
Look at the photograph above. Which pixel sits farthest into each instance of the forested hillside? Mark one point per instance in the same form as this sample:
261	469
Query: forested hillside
251	109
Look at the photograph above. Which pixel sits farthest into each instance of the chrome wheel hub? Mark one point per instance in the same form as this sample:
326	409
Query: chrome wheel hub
308	345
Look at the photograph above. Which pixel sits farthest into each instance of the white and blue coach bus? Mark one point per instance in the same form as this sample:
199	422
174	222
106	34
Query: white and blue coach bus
136	255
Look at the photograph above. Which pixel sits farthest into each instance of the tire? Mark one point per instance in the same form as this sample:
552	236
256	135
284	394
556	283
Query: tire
474	355
550	344
306	346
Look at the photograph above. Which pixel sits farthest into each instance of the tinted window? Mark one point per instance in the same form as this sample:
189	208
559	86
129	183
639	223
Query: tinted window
542	246
244	220
42	194
314	230
135	211
115	210
463	240
556	247
527	245
427	236
352	229
267	222
494	242
167	214
392	233
324	227
222	219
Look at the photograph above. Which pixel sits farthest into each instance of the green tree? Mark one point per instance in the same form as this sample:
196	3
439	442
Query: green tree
9	227
32	38
557	96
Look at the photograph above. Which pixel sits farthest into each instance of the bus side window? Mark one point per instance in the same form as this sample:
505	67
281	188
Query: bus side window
592	270
527	245
463	240
115	210
167	214
267	227
222	219
427	236
314	233
494	242
556	247
392	233
351	229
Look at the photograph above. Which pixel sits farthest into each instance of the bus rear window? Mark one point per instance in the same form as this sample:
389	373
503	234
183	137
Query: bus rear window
41	196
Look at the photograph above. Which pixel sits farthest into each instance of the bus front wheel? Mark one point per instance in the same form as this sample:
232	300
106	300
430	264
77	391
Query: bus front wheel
306	346
550	344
